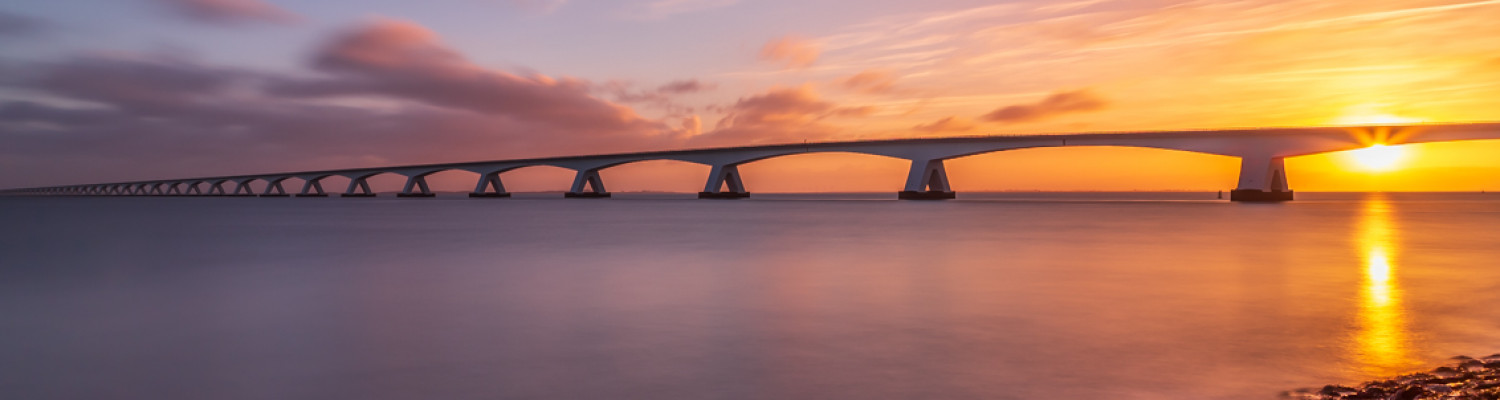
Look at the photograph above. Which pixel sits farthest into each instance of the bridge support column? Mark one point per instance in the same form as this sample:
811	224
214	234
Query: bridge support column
416	186
313	187
721	176
489	181
156	190
193	189
274	189
174	189
216	189
928	180
242	189
1262	179
587	178
361	184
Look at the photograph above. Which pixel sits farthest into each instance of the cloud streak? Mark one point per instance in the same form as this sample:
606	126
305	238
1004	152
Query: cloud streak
1059	103
791	51
230	11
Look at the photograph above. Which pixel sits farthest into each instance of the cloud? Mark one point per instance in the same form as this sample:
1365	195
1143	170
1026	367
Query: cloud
869	81
135	83
949	124
665	8
19	25
538	6
401	60
1055	104
126	116
780	115
793	51
230	11
683	86
662	97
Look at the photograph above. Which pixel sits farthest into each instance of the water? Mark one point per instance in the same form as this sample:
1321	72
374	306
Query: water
1007	296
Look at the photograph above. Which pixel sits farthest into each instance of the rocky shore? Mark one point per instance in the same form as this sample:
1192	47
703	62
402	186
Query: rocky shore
1469	378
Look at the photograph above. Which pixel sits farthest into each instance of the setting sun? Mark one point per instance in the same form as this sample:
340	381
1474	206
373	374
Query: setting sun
1377	157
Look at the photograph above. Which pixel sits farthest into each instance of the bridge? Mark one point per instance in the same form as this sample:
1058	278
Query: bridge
1261	152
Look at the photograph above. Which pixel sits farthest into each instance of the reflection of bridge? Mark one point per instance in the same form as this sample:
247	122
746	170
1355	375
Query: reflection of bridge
1261	151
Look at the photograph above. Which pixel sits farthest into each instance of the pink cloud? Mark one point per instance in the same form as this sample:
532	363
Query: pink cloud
406	61
869	81
1055	104
159	115
230	11
793	51
780	115
949	124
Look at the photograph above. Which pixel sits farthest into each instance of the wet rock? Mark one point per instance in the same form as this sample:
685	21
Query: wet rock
1469	378
1337	391
1408	393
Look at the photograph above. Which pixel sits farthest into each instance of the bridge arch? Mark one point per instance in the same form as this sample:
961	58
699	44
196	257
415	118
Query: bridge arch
1092	168
822	171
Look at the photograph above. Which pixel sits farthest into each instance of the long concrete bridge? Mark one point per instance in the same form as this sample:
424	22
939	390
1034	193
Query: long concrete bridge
1261	152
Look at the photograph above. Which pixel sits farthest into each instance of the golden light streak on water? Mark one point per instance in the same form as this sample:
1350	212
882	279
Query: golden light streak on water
1382	343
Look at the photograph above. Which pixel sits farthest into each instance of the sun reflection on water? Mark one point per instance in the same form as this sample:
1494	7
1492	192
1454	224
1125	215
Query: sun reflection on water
1381	345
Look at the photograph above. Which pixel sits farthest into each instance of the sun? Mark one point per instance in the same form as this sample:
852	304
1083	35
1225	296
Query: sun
1377	157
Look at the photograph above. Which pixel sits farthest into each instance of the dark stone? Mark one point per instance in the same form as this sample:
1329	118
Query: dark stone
928	195
1408	393
723	195
1259	196
1337	390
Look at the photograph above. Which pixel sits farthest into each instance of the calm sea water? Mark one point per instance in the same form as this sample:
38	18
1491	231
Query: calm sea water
1003	296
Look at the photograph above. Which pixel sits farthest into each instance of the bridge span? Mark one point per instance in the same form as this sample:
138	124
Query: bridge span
1261	152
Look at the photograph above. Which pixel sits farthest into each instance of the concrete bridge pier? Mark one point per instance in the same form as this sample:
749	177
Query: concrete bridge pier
194	190
587	178
156	189
274	188
174	189
217	188
721	176
1263	180
928	180
416	186
358	182
242	188
312	187
488	181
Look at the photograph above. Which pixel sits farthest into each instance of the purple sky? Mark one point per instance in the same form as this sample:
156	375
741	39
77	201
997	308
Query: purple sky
104	90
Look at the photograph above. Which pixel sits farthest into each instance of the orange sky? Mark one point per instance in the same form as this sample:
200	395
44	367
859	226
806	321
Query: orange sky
421	88
1185	66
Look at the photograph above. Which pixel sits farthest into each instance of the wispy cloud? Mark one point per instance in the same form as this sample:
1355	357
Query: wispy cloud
19	25
1056	104
230	11
792	51
660	9
537	6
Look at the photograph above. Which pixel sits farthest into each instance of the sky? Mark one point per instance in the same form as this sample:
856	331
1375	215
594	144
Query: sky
110	90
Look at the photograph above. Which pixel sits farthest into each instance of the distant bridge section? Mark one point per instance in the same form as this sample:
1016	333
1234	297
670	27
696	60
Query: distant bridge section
1261	152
